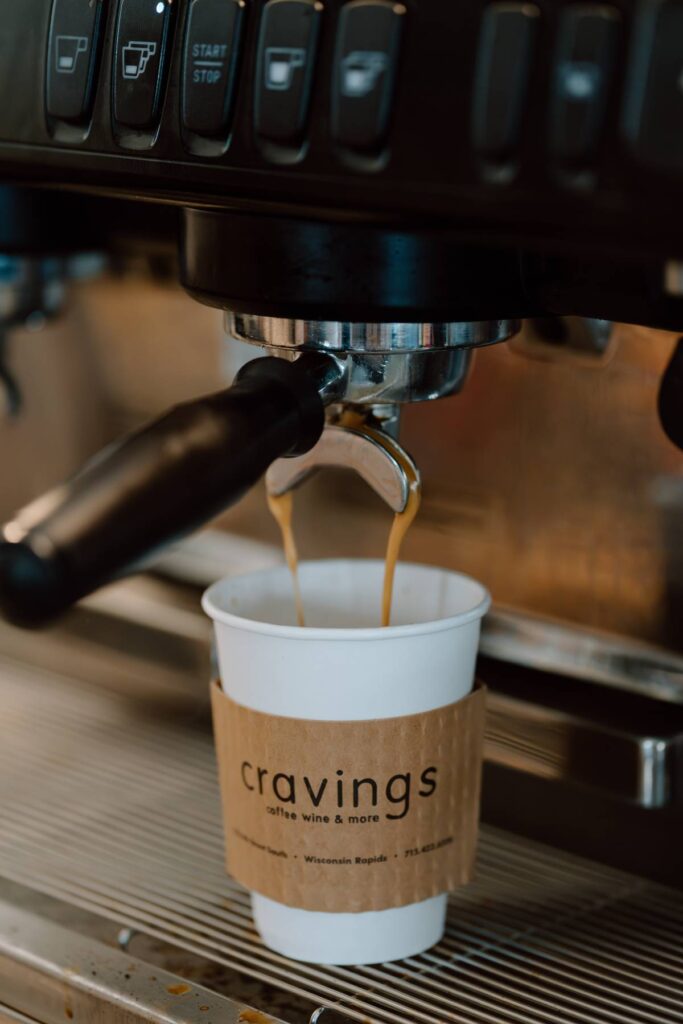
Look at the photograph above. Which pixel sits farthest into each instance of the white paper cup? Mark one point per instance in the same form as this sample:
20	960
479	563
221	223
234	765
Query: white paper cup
343	666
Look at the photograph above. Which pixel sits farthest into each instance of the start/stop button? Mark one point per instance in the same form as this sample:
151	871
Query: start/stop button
212	47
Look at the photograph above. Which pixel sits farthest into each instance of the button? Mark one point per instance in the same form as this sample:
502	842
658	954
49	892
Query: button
72	53
584	63
212	44
287	49
368	41
654	108
502	77
140	60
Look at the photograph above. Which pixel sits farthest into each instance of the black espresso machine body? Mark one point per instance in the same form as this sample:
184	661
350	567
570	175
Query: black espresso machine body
553	125
381	182
546	136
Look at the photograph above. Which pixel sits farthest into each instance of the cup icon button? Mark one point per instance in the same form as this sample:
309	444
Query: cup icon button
284	77
68	49
360	72
136	55
281	63
71	65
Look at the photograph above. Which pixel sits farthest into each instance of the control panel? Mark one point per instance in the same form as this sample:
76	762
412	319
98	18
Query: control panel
542	118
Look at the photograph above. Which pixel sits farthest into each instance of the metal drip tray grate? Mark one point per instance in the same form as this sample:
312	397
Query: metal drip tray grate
112	805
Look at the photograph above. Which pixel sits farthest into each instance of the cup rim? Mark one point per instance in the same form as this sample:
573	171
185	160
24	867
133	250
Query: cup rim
218	614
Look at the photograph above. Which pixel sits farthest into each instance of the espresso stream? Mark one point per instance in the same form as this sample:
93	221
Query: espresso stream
399	528
282	507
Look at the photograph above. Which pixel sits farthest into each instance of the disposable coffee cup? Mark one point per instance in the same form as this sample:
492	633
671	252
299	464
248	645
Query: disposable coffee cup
349	754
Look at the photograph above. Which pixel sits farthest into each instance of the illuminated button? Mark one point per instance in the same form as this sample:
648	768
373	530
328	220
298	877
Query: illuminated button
585	61
140	60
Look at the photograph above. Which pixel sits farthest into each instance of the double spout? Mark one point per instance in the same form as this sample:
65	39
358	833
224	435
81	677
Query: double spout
375	456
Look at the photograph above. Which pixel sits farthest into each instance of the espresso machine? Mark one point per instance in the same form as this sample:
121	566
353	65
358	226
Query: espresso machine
373	194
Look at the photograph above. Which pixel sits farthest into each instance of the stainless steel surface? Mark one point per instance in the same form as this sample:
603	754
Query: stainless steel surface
8	1016
589	334
326	1016
571	337
384	363
544	643
378	378
112	807
378	459
273	332
328	373
141	637
204	557
53	974
125	937
569	747
387	416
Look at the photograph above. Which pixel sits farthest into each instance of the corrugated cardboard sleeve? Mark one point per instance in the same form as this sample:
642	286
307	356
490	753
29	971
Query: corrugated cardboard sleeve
350	816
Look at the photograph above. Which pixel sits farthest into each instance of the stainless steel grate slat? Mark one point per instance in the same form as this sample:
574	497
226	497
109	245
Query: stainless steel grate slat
116	810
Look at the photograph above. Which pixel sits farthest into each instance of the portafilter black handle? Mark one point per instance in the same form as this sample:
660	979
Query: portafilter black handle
153	486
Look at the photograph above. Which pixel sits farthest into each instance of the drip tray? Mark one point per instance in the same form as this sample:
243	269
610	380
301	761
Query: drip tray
109	820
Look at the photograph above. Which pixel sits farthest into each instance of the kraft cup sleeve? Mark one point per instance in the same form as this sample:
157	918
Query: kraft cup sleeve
350	816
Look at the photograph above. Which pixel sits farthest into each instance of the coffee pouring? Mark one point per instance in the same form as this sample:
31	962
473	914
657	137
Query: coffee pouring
177	472
352	442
